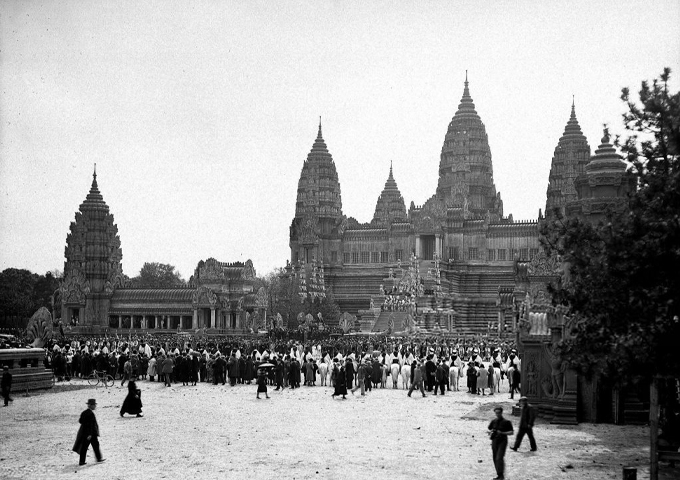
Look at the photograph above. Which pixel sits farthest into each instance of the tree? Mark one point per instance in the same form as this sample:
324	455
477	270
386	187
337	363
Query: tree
622	277
158	275
22	293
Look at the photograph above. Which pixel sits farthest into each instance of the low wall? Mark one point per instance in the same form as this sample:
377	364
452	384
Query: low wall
27	368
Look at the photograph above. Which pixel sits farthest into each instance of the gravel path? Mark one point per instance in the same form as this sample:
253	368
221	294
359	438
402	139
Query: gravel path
223	432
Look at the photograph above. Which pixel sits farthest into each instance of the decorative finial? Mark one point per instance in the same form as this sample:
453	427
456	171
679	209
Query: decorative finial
572	100
466	75
95	172
605	138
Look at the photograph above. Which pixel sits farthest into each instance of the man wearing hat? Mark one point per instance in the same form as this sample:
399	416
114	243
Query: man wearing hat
526	424
88	433
6	384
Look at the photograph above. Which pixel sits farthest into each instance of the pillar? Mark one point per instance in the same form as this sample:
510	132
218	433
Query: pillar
156	322
212	318
417	247
194	320
120	321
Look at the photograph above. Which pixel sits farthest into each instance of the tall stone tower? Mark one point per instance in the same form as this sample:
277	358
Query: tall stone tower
603	186
569	161
390	205
93	262
318	222
465	170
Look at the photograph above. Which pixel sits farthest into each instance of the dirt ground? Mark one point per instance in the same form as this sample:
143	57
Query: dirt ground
225	432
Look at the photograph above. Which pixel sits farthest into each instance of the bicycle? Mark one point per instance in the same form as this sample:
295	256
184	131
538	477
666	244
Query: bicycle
97	376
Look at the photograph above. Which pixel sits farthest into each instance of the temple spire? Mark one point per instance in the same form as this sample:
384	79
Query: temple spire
319	135
94	179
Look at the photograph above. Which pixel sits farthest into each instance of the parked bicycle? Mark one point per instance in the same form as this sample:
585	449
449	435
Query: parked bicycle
96	377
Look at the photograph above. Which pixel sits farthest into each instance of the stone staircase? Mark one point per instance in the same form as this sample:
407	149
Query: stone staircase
384	318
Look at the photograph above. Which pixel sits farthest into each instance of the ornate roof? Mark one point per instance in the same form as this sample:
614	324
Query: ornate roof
465	169
606	159
568	162
390	205
93	252
318	188
163	295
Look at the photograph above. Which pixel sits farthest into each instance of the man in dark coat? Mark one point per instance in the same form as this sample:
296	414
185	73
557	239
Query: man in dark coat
430	369
88	433
6	385
499	429
349	373
218	369
526	424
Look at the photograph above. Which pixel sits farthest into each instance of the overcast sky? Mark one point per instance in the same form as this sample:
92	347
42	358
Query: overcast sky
199	115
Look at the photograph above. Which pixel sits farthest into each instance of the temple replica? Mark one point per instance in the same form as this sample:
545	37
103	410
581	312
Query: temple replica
437	267
98	298
457	265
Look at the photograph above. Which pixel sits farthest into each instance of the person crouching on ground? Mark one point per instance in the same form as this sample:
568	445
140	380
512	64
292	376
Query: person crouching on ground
133	401
261	383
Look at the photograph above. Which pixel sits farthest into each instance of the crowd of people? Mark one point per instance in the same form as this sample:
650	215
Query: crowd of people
362	362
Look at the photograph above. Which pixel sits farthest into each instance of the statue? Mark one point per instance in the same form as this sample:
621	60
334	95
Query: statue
557	368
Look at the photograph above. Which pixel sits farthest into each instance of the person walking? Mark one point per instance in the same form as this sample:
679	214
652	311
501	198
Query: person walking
168	365
133	401
526	424
261	383
499	429
6	385
416	377
88	433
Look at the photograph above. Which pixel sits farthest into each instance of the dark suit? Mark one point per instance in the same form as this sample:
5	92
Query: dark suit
6	387
88	428
526	426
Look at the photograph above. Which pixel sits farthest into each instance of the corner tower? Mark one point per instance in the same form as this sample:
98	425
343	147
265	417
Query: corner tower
93	262
568	162
318	208
390	205
465	169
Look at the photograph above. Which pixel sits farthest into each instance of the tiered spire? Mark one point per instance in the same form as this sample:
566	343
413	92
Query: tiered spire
390	205
568	162
93	245
319	188
465	168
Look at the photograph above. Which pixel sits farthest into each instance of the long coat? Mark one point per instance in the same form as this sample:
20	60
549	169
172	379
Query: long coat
88	427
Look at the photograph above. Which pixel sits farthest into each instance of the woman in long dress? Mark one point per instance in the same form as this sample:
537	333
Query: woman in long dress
340	383
133	402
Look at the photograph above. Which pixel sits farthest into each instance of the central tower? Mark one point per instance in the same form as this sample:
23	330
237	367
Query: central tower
465	170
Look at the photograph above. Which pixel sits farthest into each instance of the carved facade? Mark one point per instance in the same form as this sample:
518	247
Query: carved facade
97	296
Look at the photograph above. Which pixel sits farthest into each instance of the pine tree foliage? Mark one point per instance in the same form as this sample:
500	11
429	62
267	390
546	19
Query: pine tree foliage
621	281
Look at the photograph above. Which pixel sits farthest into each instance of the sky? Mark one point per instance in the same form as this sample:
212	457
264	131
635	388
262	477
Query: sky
199	115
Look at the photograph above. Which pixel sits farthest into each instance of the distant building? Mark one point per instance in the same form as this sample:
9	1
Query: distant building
97	297
459	244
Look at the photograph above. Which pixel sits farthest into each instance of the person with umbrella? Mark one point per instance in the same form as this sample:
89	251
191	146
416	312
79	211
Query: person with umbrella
262	379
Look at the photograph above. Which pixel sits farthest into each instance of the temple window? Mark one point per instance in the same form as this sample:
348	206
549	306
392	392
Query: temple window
473	253
524	253
501	254
491	255
533	253
334	256
355	257
399	255
375	257
345	257
365	257
383	257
